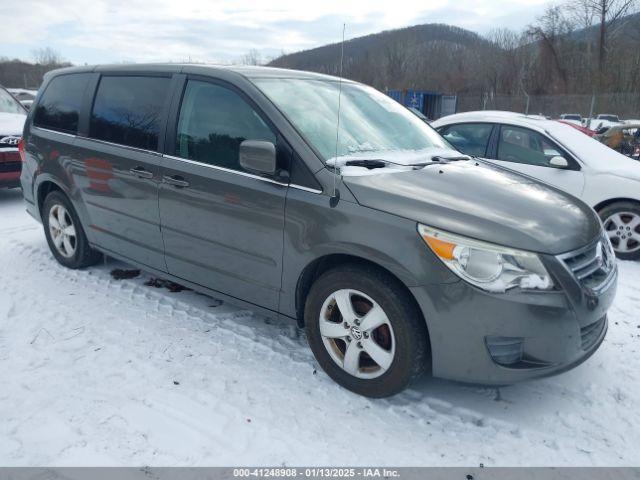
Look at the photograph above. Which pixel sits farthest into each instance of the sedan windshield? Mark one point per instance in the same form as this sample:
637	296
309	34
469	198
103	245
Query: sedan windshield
8	104
370	122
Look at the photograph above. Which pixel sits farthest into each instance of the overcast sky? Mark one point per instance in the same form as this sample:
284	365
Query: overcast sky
102	31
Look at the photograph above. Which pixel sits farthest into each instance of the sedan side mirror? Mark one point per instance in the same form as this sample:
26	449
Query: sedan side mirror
558	162
258	156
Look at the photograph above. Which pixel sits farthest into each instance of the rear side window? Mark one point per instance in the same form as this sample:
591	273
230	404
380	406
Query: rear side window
128	110
59	107
214	120
469	138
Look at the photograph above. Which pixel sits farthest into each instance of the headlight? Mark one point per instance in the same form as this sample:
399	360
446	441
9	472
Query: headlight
490	267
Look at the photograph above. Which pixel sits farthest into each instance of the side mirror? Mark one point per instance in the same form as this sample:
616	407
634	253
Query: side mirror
258	156
558	162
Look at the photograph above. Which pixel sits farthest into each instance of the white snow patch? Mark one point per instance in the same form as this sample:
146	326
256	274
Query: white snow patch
89	366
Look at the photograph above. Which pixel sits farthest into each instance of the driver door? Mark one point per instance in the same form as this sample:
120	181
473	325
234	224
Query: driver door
222	227
529	152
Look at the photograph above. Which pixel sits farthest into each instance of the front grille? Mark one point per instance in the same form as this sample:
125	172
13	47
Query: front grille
590	333
591	266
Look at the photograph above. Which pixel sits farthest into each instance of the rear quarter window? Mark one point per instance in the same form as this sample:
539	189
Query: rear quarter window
128	110
59	107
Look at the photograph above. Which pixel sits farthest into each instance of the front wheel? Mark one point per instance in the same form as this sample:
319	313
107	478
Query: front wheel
621	221
366	331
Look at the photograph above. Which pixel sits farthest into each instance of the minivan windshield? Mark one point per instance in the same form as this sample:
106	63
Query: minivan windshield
371	123
8	104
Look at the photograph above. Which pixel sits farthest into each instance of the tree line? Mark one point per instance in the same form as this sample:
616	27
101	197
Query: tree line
15	73
575	47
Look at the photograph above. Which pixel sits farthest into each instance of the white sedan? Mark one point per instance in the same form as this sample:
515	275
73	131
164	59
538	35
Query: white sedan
562	156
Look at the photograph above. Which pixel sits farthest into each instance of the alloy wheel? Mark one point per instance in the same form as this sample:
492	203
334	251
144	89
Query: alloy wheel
623	229
62	230
357	333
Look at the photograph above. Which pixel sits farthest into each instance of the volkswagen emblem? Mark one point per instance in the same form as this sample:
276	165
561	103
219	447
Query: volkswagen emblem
356	333
11	140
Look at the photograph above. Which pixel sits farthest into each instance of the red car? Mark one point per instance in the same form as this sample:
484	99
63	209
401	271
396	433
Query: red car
585	130
12	117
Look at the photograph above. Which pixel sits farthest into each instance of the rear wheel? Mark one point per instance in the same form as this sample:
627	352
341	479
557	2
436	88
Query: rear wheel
366	331
65	236
621	221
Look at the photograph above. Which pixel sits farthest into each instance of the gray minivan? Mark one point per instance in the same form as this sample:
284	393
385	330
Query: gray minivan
396	253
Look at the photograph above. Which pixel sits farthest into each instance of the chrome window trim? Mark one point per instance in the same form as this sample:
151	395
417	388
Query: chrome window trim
228	170
43	129
194	162
305	189
127	147
103	142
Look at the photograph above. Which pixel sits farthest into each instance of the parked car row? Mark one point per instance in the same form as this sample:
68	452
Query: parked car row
603	120
12	118
396	252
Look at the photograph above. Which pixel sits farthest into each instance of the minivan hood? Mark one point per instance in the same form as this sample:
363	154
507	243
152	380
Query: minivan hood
482	202
11	124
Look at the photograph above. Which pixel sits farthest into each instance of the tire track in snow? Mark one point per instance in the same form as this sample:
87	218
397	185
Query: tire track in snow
167	305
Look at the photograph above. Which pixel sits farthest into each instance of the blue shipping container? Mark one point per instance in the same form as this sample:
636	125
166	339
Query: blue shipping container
414	99
396	95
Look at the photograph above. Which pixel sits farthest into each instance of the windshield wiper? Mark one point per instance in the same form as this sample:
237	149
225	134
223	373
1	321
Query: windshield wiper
459	158
373	163
367	163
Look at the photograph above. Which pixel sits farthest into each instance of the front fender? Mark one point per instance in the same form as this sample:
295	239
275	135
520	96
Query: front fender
314	229
603	188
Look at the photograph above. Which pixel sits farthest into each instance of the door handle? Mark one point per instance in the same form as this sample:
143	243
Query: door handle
141	172
175	180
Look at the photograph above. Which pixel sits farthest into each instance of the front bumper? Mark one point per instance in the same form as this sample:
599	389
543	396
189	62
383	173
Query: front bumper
555	331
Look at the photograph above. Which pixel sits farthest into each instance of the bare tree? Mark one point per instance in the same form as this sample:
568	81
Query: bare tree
395	55
607	14
46	56
551	31
253	57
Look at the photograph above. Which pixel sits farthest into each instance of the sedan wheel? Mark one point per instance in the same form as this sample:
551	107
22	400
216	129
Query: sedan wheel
623	229
357	334
62	230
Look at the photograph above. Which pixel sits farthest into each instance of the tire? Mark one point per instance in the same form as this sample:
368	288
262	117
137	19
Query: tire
403	339
58	215
625	215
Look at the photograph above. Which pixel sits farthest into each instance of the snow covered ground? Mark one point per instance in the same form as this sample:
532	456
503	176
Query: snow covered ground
98	371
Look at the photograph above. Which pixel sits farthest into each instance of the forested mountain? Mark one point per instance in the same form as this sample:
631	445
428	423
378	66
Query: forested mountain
554	55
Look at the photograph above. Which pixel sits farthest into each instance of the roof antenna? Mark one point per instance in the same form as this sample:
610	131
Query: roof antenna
336	193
